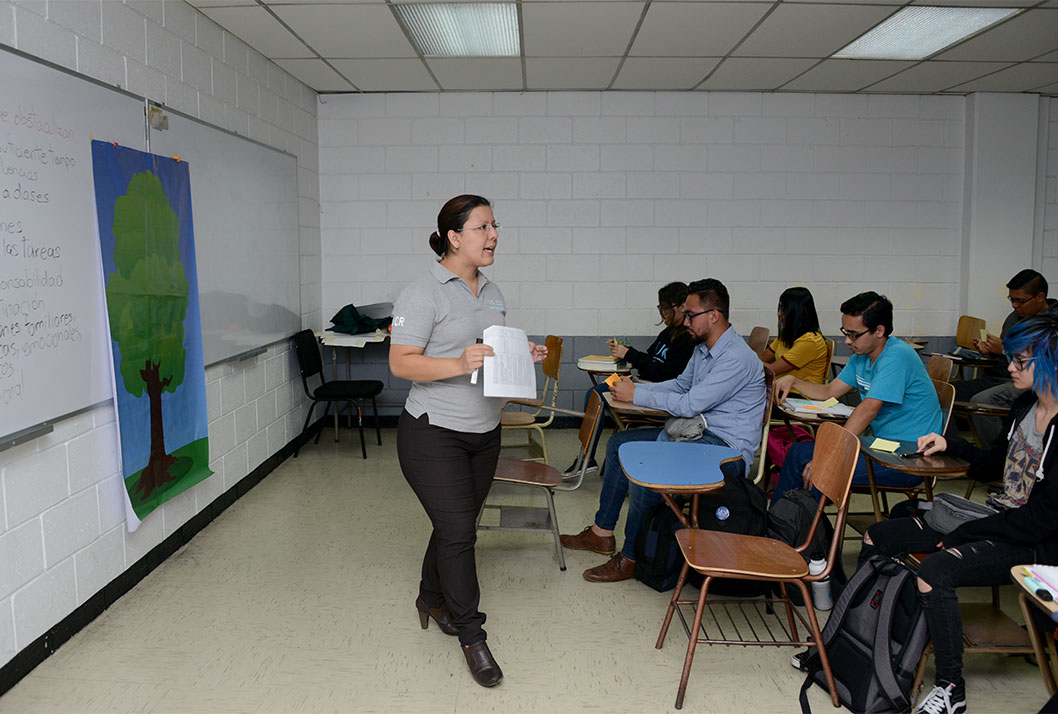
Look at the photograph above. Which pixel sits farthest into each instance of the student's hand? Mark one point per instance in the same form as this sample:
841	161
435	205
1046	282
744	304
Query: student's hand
783	385
537	352
992	346
931	444
623	390
806	475
618	350
473	357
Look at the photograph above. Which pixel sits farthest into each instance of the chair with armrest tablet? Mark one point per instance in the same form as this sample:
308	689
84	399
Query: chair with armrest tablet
758	339
531	422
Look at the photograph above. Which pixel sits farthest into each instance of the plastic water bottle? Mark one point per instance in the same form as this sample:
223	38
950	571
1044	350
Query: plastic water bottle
820	588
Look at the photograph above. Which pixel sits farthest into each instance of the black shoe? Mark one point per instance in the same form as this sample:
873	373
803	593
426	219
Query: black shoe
439	615
482	665
570	474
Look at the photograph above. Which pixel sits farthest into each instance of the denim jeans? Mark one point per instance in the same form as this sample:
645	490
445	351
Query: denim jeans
615	485
801	453
979	563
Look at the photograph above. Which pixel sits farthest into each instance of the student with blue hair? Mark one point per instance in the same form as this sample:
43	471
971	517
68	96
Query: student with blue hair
1024	528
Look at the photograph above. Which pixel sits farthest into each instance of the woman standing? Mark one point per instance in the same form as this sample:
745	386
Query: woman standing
448	436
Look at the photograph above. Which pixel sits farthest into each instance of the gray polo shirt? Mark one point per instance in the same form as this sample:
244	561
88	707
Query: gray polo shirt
439	313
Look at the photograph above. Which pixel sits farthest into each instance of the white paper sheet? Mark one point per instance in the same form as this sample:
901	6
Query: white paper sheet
510	373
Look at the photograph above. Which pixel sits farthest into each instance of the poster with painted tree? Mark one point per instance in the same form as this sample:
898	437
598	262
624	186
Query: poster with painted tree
143	204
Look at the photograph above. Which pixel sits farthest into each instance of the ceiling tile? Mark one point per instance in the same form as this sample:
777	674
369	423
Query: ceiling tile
579	29
1019	38
213	3
315	74
664	72
570	73
838	75
257	28
934	76
1050	89
755	73
387	75
348	31
678	29
1049	57
891	3
810	30
975	3
1019	78
477	73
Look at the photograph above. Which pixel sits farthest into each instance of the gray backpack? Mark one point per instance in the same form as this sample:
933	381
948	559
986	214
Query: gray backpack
874	639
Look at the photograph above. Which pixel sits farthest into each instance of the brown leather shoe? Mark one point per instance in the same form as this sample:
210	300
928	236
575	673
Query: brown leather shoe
587	540
482	665
617	568
439	615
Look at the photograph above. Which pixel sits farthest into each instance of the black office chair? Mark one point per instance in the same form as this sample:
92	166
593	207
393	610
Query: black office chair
340	390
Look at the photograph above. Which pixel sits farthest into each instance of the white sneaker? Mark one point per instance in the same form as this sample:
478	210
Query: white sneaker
941	700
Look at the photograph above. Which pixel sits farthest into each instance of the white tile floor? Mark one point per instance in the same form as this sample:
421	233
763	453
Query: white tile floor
299	598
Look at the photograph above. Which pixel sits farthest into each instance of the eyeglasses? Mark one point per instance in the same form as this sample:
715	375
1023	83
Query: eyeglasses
849	334
484	228
1018	302
688	316
1020	362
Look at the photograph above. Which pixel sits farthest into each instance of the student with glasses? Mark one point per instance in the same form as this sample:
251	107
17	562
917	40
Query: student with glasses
664	359
448	436
723	382
1027	293
1025	528
898	399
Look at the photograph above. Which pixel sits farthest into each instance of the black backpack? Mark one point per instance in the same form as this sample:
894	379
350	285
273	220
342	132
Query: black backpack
740	507
874	639
789	519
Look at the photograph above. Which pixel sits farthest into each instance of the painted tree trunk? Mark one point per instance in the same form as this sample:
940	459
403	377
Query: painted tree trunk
156	472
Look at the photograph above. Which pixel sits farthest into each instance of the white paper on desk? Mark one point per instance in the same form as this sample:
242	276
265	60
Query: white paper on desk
509	373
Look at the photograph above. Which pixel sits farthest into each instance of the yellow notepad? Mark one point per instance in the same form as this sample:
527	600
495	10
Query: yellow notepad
613	379
885	445
829	403
984	335
600	358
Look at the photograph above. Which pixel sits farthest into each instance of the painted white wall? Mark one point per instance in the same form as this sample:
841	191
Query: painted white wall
62	522
1050	199
604	197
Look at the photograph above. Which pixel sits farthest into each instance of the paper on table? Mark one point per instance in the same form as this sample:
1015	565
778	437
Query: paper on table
885	445
809	406
829	402
1048	574
509	373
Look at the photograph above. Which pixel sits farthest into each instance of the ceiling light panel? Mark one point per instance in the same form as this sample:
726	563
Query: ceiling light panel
917	32
462	29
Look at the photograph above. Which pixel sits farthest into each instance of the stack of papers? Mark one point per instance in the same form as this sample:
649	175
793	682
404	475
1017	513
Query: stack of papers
600	362
1046	574
830	407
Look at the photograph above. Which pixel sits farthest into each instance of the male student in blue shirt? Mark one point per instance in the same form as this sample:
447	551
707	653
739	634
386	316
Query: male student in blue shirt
898	399
723	382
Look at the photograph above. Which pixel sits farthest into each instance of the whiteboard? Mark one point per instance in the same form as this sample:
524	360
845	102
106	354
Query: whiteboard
244	201
54	356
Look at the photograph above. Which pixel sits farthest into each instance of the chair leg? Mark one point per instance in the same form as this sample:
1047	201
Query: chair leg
360	426
920	671
874	491
549	495
378	430
304	427
672	604
818	638
543	444
692	644
326	411
789	609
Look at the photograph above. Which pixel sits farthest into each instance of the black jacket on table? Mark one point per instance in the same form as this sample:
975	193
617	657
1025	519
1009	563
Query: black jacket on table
1034	524
665	358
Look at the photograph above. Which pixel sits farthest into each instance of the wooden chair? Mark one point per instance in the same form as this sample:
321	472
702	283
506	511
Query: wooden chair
716	554
528	421
830	359
351	391
545	478
758	339
939	368
762	450
968	330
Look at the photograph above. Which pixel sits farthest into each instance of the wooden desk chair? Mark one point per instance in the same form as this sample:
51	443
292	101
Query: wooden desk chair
968	330
939	368
830	361
762	450
351	391
528	421
946	396
547	479
716	554
758	339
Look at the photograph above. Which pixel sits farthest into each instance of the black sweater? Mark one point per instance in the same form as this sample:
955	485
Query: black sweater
1036	523
666	357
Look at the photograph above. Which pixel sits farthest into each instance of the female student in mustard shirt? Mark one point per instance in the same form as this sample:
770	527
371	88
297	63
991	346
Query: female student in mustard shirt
800	349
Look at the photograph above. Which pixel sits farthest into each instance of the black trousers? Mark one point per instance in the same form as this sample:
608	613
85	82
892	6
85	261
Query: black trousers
980	563
451	473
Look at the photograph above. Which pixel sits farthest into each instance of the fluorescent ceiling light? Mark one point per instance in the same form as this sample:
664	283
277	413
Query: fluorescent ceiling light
462	29
917	32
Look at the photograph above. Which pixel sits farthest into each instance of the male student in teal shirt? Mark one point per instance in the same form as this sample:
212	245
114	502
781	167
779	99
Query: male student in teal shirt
897	397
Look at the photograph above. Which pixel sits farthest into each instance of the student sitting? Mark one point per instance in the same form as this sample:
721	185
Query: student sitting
800	350
898	399
664	359
1025	530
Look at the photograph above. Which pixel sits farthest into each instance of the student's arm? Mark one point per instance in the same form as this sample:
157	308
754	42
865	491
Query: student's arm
863	415
781	366
409	362
725	379
676	358
811	390
767	356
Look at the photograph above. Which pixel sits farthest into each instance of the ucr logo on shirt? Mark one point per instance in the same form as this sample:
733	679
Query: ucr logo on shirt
398	321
